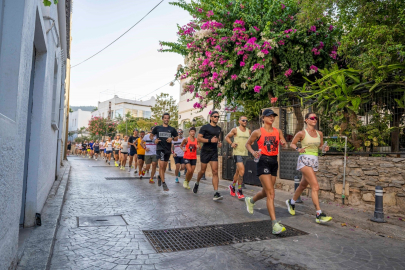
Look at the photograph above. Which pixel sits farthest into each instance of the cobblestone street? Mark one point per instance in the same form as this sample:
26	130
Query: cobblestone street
146	207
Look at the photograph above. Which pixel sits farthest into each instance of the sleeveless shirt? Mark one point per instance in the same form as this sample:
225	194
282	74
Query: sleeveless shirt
268	142
311	144
191	149
241	139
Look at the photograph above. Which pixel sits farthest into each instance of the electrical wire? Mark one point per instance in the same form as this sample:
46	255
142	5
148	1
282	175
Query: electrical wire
119	36
154	91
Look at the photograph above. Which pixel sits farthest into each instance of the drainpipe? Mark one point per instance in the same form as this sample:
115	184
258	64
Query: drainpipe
344	165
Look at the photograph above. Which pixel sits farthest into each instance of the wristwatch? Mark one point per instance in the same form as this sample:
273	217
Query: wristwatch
297	148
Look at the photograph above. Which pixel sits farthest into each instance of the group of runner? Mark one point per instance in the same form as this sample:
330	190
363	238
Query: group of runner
156	147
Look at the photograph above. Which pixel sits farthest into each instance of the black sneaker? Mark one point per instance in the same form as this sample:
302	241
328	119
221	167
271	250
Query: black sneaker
159	181
165	188
217	196
195	188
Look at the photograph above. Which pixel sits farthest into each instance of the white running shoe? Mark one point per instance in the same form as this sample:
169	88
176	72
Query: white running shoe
129	169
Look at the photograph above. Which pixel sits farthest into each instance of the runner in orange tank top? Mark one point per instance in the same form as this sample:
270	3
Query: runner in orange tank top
268	139
189	146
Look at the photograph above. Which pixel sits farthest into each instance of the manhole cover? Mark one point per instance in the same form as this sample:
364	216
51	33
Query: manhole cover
97	221
171	240
122	178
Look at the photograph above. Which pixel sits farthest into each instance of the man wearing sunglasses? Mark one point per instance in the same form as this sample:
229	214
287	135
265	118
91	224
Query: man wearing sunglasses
178	155
209	135
240	136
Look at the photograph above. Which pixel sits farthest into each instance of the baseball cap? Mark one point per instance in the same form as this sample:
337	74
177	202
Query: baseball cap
268	112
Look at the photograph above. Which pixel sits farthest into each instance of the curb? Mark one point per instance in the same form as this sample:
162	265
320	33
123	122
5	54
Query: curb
38	248
361	220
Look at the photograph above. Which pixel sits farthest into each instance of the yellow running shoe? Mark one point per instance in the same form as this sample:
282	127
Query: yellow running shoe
151	181
188	184
249	205
322	218
185	184
290	207
278	228
116	164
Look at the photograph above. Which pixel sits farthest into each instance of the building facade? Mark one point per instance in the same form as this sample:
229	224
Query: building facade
117	107
33	55
78	119
187	113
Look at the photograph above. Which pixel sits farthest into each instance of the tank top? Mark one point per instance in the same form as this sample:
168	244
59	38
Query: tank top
117	144
124	145
191	149
312	144
109	146
177	148
140	150
102	145
96	146
241	139
268	142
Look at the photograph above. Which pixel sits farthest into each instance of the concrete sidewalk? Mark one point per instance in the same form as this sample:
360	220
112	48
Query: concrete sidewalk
145	207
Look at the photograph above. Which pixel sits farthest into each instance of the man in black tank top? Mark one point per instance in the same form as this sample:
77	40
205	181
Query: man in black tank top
210	136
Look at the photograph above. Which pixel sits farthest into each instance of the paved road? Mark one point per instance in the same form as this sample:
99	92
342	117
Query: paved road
145	207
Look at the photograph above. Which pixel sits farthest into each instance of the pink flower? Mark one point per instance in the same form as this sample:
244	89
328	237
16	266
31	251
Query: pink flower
242	6
287	36
281	42
288	72
206	93
257	29
242	64
199	10
219	94
282	6
330	27
274	100
257	89
188	100
210	13
313	28
314	68
210	112
265	51
234	77
155	124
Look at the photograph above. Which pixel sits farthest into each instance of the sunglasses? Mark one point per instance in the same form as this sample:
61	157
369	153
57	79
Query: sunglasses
313	118
244	120
216	116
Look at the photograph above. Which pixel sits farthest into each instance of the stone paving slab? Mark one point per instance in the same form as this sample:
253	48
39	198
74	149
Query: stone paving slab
147	207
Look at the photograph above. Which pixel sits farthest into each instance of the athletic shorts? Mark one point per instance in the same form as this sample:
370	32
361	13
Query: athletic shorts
124	153
96	151
105	150
141	157
116	152
162	155
192	162
108	152
267	165
88	150
150	159
206	157
178	160
132	152
239	159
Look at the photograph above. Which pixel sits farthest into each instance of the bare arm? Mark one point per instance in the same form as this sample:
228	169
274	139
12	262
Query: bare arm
200	138
183	143
255	135
282	139
229	136
298	137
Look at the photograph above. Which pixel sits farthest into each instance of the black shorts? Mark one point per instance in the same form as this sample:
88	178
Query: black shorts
97	151
239	159
108	152
141	157
267	165
124	153
132	152
192	162
178	160
162	155
116	152
207	156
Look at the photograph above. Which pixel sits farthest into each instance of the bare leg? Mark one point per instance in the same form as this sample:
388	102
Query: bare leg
162	169
177	170
201	172
215	178
240	171
268	182
152	174
190	172
309	178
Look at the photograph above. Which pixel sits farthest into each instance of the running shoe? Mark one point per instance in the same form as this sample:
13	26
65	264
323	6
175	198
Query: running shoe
185	184
132	166
106	161
249	206
151	181
232	190
96	159
188	185
217	196
240	195
159	181
290	207
140	176
136	171
116	164
165	188
195	188
109	163
143	172
177	180
129	169
322	218
278	228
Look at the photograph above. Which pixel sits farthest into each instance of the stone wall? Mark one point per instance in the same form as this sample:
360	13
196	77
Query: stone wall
363	174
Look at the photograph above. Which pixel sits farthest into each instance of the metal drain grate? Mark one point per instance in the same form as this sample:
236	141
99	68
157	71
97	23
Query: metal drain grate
122	178
172	240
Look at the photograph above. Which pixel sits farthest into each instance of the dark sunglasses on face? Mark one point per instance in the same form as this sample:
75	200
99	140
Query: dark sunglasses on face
313	118
244	120
215	116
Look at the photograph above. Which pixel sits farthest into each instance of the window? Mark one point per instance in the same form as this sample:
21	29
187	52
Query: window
140	113
119	112
146	114
55	97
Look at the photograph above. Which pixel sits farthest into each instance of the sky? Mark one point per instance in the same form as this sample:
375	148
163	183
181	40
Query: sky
132	67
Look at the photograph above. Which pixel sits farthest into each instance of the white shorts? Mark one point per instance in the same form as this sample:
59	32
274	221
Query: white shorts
309	161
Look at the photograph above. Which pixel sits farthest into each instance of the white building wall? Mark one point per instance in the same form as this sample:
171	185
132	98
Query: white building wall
78	119
22	25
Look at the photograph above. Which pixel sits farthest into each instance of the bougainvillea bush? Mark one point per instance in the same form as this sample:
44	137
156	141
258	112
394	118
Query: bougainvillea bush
99	126
249	50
